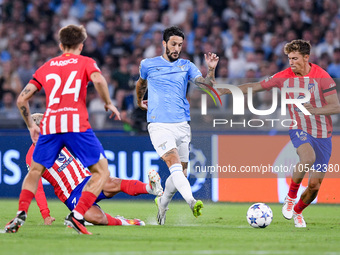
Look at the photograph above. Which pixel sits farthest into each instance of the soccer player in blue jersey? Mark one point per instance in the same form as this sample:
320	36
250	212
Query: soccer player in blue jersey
166	78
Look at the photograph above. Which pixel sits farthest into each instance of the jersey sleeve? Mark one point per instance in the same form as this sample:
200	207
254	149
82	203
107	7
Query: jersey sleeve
91	67
29	155
37	78
271	82
193	72
143	70
328	85
40	197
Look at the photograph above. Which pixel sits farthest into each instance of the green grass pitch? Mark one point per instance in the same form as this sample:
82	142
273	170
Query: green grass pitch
222	229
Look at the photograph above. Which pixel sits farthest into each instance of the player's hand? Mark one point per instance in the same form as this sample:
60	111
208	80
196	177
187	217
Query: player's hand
221	91
211	59
310	108
143	104
114	111
34	132
48	220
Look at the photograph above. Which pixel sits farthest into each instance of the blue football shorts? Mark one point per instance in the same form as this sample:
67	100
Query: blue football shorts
322	147
84	145
73	199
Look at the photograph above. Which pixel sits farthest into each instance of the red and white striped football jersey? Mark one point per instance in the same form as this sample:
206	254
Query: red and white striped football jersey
65	80
64	175
320	85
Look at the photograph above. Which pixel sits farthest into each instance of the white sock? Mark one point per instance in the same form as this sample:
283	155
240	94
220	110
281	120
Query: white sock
169	191
77	215
148	188
181	183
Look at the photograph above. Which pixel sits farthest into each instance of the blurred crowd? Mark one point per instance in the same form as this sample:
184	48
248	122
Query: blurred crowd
248	35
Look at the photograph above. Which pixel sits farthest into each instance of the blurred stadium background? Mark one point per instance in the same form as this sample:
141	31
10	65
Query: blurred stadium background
248	35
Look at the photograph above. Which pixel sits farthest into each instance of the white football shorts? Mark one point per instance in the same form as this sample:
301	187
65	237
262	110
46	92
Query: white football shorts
166	136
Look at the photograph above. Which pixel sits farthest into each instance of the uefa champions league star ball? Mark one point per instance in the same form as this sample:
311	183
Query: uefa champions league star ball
259	215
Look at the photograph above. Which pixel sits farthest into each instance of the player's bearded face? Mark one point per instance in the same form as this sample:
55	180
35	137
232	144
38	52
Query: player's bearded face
172	55
173	48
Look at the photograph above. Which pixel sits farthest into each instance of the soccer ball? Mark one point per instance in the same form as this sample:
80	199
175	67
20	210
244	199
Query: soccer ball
259	215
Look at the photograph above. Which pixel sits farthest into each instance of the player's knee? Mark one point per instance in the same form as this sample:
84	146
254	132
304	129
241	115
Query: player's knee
314	186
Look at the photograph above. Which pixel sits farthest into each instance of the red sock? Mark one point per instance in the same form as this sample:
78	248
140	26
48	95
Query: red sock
293	189
298	208
133	187
112	221
85	202
25	199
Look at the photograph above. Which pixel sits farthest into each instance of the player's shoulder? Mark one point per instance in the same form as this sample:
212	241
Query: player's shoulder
319	72
151	61
286	73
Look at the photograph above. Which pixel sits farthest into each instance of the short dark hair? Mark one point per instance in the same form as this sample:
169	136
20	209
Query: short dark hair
301	46
171	31
71	36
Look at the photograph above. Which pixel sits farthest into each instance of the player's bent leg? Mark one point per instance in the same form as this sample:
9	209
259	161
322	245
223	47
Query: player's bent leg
96	216
112	187
92	189
306	160
100	175
29	188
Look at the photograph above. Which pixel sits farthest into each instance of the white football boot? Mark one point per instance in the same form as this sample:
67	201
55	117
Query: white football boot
299	221
287	208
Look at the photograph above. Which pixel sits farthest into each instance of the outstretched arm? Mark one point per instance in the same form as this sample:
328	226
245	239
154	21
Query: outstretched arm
141	87
211	59
256	86
40	197
332	106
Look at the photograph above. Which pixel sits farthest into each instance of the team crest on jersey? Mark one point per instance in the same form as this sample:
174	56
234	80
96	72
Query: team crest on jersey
61	158
311	87
303	138
182	67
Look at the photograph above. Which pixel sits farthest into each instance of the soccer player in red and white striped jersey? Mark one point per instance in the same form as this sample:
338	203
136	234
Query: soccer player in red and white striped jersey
65	123
68	177
311	136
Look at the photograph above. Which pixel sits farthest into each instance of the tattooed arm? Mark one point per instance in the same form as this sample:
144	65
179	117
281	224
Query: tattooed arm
211	59
22	103
141	87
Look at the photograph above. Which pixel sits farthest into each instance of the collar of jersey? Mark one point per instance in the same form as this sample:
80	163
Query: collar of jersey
168	61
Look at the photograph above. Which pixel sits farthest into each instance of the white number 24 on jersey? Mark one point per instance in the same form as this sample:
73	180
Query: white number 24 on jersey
67	90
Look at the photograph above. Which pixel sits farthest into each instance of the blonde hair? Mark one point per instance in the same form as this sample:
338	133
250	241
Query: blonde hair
37	117
301	46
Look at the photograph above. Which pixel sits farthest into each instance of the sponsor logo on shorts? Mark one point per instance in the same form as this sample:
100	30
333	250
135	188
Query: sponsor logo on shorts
162	146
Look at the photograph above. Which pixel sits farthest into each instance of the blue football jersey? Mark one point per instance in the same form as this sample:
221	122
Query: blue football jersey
167	87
